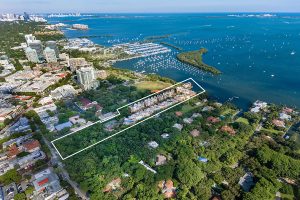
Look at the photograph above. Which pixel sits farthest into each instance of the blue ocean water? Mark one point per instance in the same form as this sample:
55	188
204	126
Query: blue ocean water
259	55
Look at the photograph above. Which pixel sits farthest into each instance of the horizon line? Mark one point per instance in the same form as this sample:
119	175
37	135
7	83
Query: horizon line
125	12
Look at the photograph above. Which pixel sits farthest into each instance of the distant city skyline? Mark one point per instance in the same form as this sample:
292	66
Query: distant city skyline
147	6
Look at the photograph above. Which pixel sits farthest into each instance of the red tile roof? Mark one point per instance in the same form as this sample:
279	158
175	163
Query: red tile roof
287	110
85	101
31	145
13	151
213	119
228	130
278	123
178	113
42	182
62	75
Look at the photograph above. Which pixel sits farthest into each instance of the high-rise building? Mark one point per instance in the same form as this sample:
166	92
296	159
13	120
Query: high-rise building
86	78
31	55
50	55
76	63
26	17
53	45
29	38
37	45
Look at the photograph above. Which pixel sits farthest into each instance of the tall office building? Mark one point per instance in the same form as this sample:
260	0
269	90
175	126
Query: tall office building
53	45
86	78
50	55
26	17
31	55
37	45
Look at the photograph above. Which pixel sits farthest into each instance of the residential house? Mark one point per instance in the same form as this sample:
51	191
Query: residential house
21	125
213	120
178	126
160	160
153	144
278	123
77	120
178	114
228	130
31	146
62	126
30	159
195	133
188	120
167	188
284	116
165	135
113	185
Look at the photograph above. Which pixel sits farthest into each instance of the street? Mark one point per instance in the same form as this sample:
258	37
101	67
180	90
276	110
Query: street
55	159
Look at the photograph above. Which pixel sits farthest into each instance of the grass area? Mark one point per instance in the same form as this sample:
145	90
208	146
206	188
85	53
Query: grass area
194	58
152	85
243	120
187	108
2	125
296	137
273	131
228	111
287	196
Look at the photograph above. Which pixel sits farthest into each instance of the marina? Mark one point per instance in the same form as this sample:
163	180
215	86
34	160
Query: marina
143	49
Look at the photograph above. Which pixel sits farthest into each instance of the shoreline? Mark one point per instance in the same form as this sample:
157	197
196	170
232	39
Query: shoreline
195	58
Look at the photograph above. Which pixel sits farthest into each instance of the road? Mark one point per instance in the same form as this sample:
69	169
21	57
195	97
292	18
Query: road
55	159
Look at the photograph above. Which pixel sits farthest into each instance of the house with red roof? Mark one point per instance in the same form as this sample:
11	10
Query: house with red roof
167	188
228	129
178	114
88	104
31	146
13	151
287	110
213	120
278	123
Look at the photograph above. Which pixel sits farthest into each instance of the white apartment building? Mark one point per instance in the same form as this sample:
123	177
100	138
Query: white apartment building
86	78
31	55
50	55
29	38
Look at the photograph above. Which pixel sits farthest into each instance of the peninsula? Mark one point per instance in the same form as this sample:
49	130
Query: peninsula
194	58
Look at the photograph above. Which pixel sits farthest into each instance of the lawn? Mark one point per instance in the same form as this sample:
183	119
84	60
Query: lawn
273	131
228	111
187	108
296	137
2	125
287	196
243	120
152	85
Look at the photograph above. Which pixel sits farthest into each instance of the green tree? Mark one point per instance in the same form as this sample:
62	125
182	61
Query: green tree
10	176
20	196
189	173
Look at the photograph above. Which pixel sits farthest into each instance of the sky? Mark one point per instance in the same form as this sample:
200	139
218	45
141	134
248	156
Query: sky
148	6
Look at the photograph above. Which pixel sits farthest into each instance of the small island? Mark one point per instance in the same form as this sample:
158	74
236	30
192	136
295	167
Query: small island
194	58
